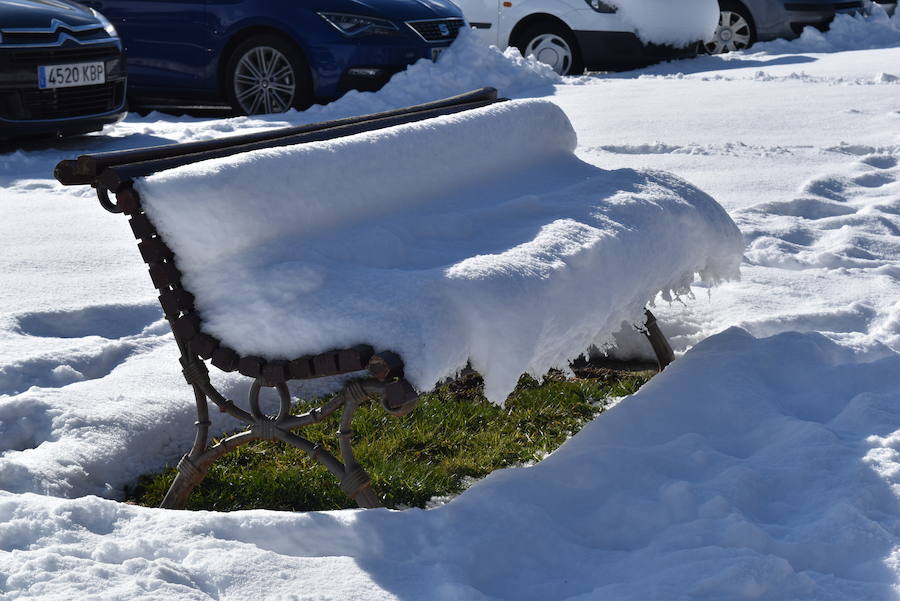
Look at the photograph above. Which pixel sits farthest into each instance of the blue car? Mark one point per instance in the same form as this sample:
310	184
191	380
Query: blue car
266	56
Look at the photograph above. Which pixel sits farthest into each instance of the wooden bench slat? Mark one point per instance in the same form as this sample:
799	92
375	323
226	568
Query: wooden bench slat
204	345
86	168
141	226
325	364
301	368
385	366
164	274
176	301
276	372
225	359
127	200
119	177
154	250
355	359
186	326
251	366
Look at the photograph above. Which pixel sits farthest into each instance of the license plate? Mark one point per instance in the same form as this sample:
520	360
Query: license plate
70	76
436	52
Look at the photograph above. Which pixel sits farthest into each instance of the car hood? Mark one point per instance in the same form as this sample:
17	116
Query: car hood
395	9
38	14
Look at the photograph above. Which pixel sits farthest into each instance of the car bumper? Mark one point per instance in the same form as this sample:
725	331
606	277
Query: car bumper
365	66
10	130
27	110
620	50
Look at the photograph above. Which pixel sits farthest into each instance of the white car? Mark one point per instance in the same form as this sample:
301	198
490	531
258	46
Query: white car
571	35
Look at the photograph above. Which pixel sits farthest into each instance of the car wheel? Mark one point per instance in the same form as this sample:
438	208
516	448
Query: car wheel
553	45
736	30
267	74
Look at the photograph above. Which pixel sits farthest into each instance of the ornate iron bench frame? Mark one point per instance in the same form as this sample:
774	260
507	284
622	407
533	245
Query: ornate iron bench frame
115	172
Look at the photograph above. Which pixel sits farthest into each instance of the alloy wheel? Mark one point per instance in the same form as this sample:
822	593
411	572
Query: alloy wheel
551	50
264	81
732	34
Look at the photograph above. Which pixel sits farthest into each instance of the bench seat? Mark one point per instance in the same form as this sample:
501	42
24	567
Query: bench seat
474	238
405	245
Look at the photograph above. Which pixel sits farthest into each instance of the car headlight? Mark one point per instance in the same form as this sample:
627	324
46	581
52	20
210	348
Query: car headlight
357	25
600	6
108	27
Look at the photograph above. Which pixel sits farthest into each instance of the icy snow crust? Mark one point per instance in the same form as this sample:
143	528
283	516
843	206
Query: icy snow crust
673	22
452	240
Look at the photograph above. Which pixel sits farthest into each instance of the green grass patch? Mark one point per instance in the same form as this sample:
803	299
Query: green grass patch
453	436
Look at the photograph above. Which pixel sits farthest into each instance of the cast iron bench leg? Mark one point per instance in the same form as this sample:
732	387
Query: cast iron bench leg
193	467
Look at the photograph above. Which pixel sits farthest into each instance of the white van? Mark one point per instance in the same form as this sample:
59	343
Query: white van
573	35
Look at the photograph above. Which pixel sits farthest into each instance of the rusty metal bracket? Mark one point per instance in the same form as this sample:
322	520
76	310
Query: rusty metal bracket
661	347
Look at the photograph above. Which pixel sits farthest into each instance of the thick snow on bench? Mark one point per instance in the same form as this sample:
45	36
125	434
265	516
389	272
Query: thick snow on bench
473	237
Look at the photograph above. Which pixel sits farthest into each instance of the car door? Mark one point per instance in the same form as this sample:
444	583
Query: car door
166	42
483	16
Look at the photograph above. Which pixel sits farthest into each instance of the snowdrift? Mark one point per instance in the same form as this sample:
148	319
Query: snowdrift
474	237
846	32
466	65
749	469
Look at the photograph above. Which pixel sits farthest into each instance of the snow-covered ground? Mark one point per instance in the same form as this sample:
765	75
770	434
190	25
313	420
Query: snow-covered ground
763	464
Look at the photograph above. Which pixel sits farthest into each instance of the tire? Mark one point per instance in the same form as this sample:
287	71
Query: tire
553	44
736	29
267	74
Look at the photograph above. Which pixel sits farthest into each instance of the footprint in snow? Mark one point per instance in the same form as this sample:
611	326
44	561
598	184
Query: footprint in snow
880	161
106	321
112	334
806	207
856	210
58	370
873	180
832	188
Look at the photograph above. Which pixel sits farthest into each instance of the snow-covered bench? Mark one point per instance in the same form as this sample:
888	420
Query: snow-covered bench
460	233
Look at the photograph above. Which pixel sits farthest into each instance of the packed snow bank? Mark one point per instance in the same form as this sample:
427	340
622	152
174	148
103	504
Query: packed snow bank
448	240
847	32
666	22
749	469
466	65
